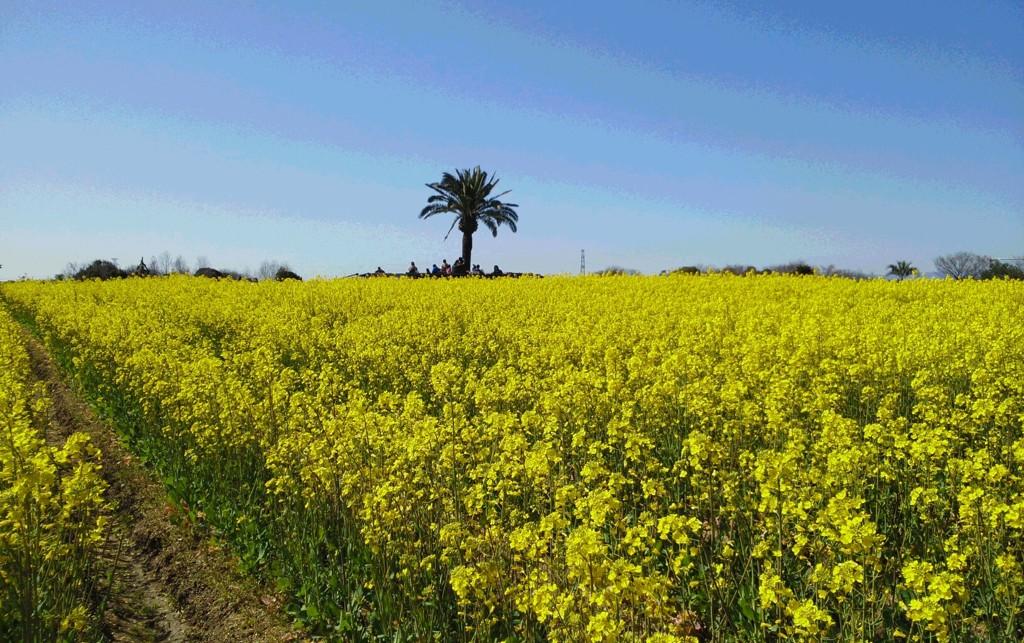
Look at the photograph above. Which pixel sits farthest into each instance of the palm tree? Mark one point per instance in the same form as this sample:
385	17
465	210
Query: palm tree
467	195
901	270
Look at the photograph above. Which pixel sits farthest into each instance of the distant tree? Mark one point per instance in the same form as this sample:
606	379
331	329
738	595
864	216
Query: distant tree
852	274
284	273
100	269
901	270
468	196
212	273
792	268
1002	270
269	269
241	275
739	269
961	265
70	270
617	270
831	271
161	265
180	266
202	262
686	270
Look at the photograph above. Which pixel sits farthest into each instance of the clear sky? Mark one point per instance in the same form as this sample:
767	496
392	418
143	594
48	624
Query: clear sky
651	134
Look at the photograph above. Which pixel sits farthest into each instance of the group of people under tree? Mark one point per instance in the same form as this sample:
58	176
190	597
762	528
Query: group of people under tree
458	269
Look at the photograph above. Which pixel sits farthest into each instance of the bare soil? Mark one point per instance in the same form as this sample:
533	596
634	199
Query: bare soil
171	583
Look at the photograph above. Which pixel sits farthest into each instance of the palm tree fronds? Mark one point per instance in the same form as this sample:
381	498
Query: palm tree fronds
468	195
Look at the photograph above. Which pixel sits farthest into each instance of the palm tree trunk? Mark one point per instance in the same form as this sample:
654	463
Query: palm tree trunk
467	250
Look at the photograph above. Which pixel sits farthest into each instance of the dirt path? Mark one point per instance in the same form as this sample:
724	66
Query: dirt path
171	584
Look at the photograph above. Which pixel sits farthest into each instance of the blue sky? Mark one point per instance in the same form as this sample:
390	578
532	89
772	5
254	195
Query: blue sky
652	135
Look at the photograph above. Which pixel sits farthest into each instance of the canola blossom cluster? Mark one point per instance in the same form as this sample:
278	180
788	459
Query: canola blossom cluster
51	510
656	459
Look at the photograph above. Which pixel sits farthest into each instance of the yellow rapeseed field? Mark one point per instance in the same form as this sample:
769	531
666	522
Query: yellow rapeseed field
51	499
583	459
